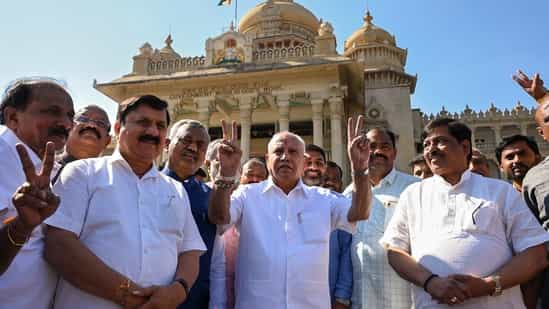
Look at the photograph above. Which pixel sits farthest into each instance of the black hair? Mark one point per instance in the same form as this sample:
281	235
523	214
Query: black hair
457	130
391	134
19	93
315	148
332	164
513	139
133	103
417	160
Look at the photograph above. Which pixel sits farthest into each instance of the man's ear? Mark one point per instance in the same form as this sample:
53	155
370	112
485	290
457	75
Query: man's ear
108	140
167	145
117	126
540	132
467	149
11	118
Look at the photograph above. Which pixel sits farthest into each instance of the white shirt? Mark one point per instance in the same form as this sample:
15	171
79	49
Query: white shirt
473	227
375	283
283	251
137	226
29	282
218	281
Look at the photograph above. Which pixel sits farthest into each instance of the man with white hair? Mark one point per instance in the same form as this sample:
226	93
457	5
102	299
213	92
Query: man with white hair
187	148
285	225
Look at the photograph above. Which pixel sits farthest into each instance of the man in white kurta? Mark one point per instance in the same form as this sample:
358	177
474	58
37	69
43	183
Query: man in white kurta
463	239
33	113
284	225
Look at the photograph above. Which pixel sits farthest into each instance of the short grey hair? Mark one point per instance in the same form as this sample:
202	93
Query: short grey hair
286	133
211	153
191	123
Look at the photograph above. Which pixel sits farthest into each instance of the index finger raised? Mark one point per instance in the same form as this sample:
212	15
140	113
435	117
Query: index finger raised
47	161
28	166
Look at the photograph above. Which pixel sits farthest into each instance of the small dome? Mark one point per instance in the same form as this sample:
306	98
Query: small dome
168	50
288	11
369	34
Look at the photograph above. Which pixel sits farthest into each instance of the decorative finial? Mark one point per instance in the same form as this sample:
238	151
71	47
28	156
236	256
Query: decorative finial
169	40
368	18
231	27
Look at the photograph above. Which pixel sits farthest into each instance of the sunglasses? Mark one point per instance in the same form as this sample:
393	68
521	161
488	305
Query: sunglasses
100	123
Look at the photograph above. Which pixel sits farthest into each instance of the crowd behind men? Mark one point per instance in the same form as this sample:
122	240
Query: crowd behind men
81	230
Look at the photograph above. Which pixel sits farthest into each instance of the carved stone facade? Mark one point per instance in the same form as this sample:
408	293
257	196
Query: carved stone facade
280	70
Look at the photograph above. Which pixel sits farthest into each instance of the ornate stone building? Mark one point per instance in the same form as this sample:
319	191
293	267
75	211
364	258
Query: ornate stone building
280	70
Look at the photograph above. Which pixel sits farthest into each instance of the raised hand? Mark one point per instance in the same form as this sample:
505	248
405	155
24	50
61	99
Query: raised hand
534	87
34	200
357	145
229	153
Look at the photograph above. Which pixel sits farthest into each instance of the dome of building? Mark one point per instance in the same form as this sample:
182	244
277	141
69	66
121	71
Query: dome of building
369	34
286	11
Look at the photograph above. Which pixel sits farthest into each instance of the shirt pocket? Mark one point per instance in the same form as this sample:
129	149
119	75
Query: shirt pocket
481	217
314	227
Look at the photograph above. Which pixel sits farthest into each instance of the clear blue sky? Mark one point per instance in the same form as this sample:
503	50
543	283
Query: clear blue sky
464	51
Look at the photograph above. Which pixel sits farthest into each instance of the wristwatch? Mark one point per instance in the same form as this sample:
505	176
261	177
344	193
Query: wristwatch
497	289
342	301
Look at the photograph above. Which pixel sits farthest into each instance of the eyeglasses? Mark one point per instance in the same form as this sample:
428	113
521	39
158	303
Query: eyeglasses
100	123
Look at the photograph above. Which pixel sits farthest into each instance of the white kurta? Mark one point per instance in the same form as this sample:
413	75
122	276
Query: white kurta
29	282
137	226
283	253
473	227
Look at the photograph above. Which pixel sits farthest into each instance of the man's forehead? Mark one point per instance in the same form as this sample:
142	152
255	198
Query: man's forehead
93	112
516	146
191	131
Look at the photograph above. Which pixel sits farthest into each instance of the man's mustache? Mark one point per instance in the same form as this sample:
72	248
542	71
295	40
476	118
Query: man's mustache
149	138
92	129
378	155
58	131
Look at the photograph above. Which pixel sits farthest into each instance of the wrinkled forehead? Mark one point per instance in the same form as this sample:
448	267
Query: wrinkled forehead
286	141
195	132
93	112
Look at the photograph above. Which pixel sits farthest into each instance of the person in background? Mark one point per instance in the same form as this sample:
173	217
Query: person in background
88	138
253	171
341	267
420	168
375	283
479	163
516	155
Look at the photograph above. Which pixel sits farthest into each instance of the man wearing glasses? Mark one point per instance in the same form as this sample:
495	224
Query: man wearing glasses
88	138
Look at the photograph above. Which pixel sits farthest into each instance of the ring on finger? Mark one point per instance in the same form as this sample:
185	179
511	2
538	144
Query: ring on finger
453	300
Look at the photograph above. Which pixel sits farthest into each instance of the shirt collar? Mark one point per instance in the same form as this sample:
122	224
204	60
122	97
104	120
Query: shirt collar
9	137
300	186
117	157
168	172
464	178
389	179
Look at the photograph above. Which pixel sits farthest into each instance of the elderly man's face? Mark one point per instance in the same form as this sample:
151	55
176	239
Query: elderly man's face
143	135
315	167
47	117
332	179
90	135
517	159
285	158
188	149
253	172
422	170
444	154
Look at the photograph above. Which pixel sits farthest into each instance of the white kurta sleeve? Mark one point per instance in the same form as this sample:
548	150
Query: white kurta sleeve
218	282
522	229
397	233
236	208
340	206
72	189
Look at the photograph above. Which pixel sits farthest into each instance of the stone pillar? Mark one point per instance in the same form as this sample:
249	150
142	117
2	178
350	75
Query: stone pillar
473	129
497	133
283	102
523	129
203	108
317	106
245	106
337	144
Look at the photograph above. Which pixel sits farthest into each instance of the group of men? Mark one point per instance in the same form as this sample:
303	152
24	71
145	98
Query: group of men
81	230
